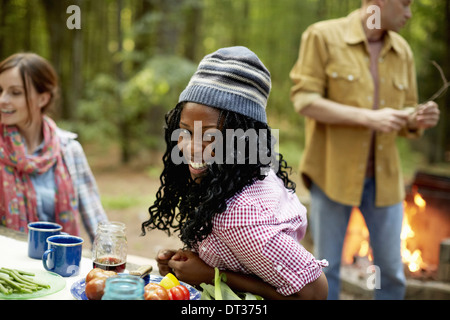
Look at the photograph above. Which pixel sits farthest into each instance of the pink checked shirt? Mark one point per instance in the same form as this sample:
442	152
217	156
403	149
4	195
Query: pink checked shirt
259	233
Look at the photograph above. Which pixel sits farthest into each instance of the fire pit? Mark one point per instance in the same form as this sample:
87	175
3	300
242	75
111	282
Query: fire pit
425	243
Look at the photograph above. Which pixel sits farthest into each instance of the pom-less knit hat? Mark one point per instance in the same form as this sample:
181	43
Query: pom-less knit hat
232	79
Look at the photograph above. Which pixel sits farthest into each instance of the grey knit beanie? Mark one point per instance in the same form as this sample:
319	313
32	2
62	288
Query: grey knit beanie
232	79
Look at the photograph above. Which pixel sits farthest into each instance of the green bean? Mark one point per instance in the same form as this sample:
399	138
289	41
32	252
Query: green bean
22	279
10	282
16	274
3	289
17	281
25	273
20	272
16	277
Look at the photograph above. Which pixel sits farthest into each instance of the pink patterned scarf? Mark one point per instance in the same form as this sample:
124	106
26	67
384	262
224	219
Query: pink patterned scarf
18	204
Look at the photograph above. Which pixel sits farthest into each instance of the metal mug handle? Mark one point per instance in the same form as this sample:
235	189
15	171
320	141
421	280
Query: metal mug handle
44	258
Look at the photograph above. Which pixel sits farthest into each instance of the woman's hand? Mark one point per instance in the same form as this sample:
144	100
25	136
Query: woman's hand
188	267
162	258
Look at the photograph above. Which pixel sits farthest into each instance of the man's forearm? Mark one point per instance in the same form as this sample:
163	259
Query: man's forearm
330	112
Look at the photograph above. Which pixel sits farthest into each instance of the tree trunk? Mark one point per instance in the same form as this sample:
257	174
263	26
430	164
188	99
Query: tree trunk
123	124
168	26
142	41
55	15
77	68
3	10
191	34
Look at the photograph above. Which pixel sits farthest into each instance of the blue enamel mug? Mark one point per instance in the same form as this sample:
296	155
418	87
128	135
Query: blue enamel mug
63	255
38	232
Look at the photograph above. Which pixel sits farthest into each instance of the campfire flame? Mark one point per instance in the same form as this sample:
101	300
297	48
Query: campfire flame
357	245
413	259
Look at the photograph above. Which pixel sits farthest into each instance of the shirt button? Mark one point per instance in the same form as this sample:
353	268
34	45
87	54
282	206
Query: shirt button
279	268
380	147
334	75
378	168
204	248
400	86
350	77
380	60
382	102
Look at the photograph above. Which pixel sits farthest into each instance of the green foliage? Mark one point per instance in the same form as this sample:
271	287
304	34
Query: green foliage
96	113
138	105
127	65
120	202
159	83
410	159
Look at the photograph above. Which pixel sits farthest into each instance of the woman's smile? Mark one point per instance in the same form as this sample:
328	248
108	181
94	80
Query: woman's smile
197	169
194	151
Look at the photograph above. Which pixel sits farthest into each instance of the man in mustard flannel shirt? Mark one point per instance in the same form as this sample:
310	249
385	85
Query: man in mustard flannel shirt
356	86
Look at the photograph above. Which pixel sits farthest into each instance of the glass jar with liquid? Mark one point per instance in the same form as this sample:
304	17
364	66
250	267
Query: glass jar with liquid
109	250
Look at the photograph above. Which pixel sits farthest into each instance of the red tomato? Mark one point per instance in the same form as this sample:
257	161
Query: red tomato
179	293
154	291
95	288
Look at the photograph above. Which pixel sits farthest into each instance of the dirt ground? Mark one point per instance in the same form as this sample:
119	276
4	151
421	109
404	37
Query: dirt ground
128	191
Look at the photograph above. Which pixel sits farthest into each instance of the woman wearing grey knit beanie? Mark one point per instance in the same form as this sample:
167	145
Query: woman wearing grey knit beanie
227	191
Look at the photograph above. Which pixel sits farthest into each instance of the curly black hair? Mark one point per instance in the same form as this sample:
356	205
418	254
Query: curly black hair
187	206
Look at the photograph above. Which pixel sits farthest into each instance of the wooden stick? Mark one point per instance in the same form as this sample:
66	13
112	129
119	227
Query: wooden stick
444	87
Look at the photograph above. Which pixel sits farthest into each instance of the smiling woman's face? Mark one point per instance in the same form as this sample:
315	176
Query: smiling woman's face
13	100
194	149
13	103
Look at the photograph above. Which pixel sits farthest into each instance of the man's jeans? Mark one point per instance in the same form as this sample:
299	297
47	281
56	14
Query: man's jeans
329	219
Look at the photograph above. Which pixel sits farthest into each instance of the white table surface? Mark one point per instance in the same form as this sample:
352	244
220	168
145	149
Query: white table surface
14	254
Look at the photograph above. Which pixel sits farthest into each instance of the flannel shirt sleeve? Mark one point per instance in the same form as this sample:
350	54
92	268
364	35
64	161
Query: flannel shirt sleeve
308	73
89	203
271	254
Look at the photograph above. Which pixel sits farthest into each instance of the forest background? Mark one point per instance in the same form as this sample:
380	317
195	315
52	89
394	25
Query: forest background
127	64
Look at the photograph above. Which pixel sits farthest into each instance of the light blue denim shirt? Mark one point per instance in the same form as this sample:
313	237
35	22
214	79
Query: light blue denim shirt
87	198
44	185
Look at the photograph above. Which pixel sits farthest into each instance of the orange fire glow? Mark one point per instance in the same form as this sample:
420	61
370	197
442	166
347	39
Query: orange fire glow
357	239
413	259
